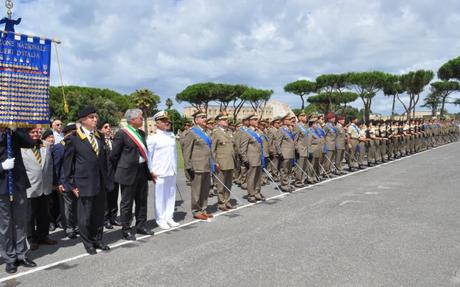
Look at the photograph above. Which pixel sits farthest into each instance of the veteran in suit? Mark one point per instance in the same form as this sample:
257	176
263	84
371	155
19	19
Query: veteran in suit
39	167
85	168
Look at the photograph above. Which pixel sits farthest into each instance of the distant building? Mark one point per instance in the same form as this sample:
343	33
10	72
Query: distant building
150	125
272	109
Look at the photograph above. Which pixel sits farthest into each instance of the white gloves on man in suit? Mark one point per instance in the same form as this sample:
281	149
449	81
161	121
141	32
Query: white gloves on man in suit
8	164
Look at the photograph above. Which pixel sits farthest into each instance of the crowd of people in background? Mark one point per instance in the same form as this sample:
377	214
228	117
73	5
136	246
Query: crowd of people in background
84	177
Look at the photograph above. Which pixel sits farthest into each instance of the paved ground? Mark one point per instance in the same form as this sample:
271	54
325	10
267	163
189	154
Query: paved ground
393	225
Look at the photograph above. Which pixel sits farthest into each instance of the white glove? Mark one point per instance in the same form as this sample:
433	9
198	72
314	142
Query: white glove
8	164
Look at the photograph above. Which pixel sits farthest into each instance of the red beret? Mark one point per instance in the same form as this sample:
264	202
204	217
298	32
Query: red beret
340	118
330	115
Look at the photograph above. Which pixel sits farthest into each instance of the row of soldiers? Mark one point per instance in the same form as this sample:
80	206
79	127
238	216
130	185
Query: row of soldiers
292	151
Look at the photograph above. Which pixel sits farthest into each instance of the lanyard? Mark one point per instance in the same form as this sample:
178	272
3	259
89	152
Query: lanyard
259	140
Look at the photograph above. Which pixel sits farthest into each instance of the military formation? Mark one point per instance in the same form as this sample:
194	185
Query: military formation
293	151
95	174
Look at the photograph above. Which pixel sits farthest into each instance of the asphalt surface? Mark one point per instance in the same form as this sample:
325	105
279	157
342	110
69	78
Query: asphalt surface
393	225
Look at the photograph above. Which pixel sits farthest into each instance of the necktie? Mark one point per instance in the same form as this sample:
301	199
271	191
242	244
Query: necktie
37	154
92	140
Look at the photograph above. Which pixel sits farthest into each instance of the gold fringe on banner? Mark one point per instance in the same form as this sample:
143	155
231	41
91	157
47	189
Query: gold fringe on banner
66	106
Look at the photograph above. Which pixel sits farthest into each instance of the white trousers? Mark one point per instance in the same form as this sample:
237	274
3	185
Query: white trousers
165	198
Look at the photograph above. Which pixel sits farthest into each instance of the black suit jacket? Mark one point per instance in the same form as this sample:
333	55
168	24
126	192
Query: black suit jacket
125	159
20	139
83	169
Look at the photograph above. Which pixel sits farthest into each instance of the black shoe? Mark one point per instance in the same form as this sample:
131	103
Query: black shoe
102	246
127	235
91	250
11	268
72	235
252	199
144	231
52	227
114	221
108	225
34	246
26	263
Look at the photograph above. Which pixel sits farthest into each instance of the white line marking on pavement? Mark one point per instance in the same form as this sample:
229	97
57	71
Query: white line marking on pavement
371	193
40	268
348	201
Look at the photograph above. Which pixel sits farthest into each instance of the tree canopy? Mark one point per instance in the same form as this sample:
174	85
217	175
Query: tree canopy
301	88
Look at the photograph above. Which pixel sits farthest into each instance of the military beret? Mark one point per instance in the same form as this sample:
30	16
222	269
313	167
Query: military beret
86	111
340	118
198	114
68	128
46	134
330	115
161	115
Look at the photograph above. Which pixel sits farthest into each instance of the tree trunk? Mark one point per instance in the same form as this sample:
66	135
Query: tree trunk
393	107
442	106
303	102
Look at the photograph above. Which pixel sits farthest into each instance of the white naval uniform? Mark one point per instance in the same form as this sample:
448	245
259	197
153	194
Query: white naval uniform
162	160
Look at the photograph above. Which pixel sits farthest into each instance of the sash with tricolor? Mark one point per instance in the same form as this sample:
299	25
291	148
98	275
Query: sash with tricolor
137	139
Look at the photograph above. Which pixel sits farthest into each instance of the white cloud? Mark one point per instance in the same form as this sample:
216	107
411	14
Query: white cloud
166	45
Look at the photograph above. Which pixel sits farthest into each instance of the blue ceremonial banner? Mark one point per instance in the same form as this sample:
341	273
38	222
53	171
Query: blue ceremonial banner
24	80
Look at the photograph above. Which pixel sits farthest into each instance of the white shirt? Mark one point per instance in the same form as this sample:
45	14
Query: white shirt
58	137
88	134
162	154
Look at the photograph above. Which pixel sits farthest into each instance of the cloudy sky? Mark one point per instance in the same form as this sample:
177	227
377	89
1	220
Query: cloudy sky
165	45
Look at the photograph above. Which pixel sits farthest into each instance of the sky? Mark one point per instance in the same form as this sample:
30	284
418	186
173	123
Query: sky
166	45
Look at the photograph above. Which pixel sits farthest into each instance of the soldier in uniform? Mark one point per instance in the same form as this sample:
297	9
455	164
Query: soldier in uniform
286	148
330	138
371	144
223	153
263	135
340	144
317	144
252	155
353	136
199	164
243	169
272	135
302	146
363	144
182	136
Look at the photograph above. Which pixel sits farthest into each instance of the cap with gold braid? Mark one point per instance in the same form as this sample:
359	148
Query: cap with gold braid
161	115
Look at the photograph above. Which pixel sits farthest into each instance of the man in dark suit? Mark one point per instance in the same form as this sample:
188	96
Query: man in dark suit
85	168
112	188
69	213
13	245
129	158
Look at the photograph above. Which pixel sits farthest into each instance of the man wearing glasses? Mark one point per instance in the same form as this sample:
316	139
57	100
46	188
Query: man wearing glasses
56	125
